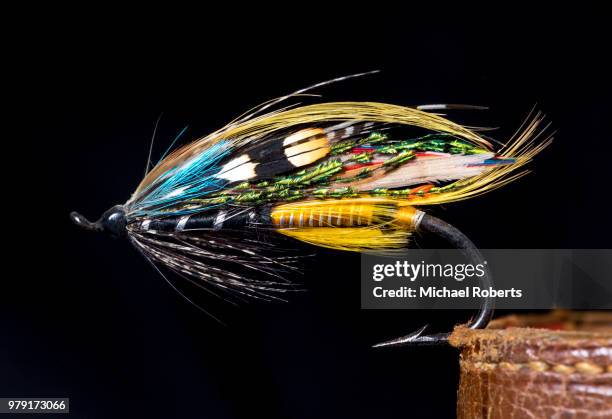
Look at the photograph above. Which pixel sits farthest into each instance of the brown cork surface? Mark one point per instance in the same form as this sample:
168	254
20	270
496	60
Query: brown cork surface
522	345
518	369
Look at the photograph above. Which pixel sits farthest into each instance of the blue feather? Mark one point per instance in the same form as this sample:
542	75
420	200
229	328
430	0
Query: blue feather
195	178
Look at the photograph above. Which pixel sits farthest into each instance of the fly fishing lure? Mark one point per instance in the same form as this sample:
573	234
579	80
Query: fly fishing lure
340	175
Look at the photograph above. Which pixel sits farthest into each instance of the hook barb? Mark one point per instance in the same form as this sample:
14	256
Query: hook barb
416	338
460	241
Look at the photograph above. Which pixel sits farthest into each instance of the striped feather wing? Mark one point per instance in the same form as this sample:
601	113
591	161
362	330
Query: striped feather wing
329	151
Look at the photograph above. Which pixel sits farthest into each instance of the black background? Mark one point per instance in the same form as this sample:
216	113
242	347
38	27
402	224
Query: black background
86	317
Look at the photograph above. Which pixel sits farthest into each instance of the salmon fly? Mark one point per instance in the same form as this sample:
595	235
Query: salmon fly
349	176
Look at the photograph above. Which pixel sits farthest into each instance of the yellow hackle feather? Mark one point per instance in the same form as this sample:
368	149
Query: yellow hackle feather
354	224
355	239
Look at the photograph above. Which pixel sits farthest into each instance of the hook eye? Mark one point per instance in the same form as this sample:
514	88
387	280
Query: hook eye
83	222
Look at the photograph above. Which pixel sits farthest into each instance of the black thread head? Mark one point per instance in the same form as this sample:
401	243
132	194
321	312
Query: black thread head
113	221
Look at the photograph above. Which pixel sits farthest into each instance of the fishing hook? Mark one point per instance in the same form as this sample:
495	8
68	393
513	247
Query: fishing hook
458	240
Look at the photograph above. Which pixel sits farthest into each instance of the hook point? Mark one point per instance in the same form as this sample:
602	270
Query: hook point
408	339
